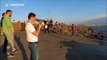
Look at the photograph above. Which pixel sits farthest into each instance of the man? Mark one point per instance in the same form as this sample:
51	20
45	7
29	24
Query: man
8	31
32	35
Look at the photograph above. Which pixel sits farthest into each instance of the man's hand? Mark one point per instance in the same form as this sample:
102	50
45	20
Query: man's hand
10	31
41	24
37	32
1	33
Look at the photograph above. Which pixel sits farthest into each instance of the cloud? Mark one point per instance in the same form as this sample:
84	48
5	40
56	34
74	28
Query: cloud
61	17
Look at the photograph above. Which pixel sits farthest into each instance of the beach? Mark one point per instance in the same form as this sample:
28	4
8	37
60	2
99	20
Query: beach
53	30
53	46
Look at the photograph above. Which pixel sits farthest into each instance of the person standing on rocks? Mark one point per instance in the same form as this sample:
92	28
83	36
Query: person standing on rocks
73	27
32	35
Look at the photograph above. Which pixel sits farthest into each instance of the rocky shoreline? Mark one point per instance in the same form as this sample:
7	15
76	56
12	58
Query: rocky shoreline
89	32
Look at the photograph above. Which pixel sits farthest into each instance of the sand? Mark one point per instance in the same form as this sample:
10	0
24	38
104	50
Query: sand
54	46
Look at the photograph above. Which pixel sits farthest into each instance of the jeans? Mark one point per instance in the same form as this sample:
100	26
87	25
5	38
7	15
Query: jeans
10	39
34	51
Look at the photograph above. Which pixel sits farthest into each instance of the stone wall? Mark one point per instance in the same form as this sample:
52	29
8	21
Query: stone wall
17	26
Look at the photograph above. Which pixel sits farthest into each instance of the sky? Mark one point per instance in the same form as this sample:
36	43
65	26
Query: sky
68	11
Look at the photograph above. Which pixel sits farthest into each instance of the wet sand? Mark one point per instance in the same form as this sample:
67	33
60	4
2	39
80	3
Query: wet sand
54	46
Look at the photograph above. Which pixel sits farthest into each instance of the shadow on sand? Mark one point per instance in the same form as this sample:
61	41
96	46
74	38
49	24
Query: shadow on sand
3	55
17	39
81	51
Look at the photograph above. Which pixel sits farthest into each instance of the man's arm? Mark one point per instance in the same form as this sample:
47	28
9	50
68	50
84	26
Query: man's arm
37	32
10	30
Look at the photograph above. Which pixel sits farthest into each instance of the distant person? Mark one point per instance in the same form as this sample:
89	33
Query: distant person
56	23
51	22
32	36
46	27
73	28
8	31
